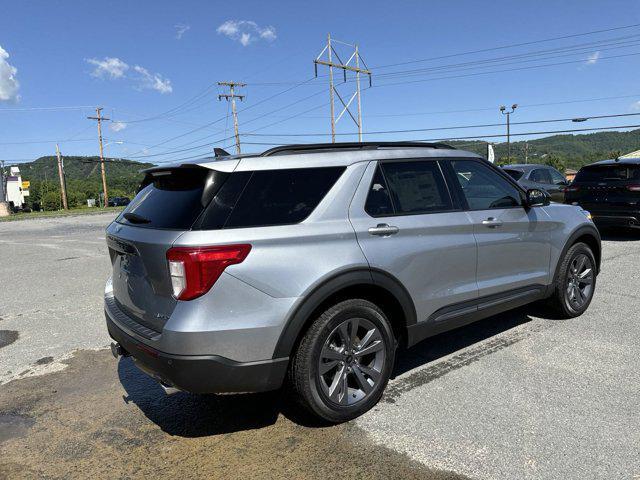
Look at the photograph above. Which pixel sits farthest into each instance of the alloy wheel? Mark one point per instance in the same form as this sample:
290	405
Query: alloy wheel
579	281
351	361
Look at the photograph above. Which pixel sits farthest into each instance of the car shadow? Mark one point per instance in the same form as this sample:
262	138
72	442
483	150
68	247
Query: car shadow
620	234
189	415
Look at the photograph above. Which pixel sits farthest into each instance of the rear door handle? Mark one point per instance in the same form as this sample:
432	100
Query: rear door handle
492	222
383	230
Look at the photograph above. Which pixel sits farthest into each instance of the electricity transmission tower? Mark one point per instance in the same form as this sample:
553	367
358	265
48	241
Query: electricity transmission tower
351	65
100	118
232	96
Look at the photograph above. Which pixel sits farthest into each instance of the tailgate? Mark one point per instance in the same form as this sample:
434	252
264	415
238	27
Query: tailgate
141	282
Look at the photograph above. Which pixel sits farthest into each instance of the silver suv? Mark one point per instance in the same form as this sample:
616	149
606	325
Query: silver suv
308	265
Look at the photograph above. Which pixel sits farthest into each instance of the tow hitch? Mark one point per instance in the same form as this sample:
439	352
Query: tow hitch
118	351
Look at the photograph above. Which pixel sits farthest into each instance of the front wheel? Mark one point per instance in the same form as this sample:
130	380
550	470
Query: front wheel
344	361
575	282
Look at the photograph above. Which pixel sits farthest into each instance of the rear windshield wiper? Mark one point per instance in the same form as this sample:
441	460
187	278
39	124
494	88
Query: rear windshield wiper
134	218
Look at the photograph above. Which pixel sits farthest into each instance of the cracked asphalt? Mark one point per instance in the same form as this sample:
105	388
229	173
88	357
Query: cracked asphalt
520	395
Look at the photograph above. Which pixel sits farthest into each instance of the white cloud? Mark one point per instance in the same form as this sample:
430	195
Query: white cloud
635	105
108	67
114	68
8	83
117	126
246	31
181	29
153	81
593	58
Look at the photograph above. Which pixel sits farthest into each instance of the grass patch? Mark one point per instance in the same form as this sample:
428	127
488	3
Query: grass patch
61	213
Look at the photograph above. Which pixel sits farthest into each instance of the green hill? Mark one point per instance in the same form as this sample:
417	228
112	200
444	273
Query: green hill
123	176
573	151
83	179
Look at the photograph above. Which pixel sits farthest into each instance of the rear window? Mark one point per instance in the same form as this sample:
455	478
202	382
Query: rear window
172	199
268	197
607	173
515	174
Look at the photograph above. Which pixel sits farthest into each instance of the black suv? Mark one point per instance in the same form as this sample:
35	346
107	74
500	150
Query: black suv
610	190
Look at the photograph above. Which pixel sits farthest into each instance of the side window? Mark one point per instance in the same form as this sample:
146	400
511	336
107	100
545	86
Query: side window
557	178
483	188
417	187
379	200
274	197
541	175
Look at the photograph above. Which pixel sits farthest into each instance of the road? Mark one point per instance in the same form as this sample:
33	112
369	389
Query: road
521	395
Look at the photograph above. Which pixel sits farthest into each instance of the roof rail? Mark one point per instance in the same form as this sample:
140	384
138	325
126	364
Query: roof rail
319	147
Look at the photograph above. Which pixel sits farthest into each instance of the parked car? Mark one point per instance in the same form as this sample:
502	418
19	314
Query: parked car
119	201
542	177
310	265
610	190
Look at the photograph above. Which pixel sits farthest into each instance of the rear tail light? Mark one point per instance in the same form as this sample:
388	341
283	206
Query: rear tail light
194	270
572	188
633	188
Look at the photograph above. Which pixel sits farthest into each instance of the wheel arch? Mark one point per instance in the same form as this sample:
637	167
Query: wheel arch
587	234
377	286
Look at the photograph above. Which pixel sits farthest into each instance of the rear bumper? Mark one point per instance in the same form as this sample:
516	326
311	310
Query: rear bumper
201	373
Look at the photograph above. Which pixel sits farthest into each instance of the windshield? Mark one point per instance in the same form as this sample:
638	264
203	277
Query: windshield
606	173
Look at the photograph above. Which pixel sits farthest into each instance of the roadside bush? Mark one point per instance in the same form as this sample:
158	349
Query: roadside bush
76	199
51	200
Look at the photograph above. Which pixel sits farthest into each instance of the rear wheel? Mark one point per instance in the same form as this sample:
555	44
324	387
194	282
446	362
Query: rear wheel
344	361
575	282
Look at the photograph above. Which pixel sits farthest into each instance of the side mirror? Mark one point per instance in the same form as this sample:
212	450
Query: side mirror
537	198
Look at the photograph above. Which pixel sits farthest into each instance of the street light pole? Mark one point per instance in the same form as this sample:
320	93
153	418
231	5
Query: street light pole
503	110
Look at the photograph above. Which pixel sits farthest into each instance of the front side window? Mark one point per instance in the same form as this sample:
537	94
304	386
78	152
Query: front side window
483	188
557	178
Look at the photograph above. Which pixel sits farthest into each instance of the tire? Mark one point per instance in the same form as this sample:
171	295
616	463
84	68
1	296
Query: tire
324	360
573	290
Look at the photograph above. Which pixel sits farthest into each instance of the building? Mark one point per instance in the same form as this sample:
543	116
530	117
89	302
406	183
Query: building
15	189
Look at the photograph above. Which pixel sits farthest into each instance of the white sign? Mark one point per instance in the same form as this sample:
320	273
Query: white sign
491	156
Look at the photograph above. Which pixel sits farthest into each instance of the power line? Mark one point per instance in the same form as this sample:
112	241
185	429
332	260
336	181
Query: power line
503	47
28	142
479	137
546	55
40	109
457	127
504	70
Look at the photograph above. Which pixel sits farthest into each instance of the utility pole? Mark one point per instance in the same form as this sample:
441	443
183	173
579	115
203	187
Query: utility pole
63	184
503	110
526	152
99	118
351	65
232	96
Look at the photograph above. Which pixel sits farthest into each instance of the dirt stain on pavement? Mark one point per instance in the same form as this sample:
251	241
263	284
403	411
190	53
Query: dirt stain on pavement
103	418
7	337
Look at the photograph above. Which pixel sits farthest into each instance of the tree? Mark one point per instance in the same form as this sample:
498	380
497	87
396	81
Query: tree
51	200
554	161
506	161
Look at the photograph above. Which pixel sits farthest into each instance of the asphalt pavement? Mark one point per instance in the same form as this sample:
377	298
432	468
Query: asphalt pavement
520	395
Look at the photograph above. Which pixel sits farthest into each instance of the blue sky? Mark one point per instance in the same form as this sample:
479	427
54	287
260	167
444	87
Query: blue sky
140	59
